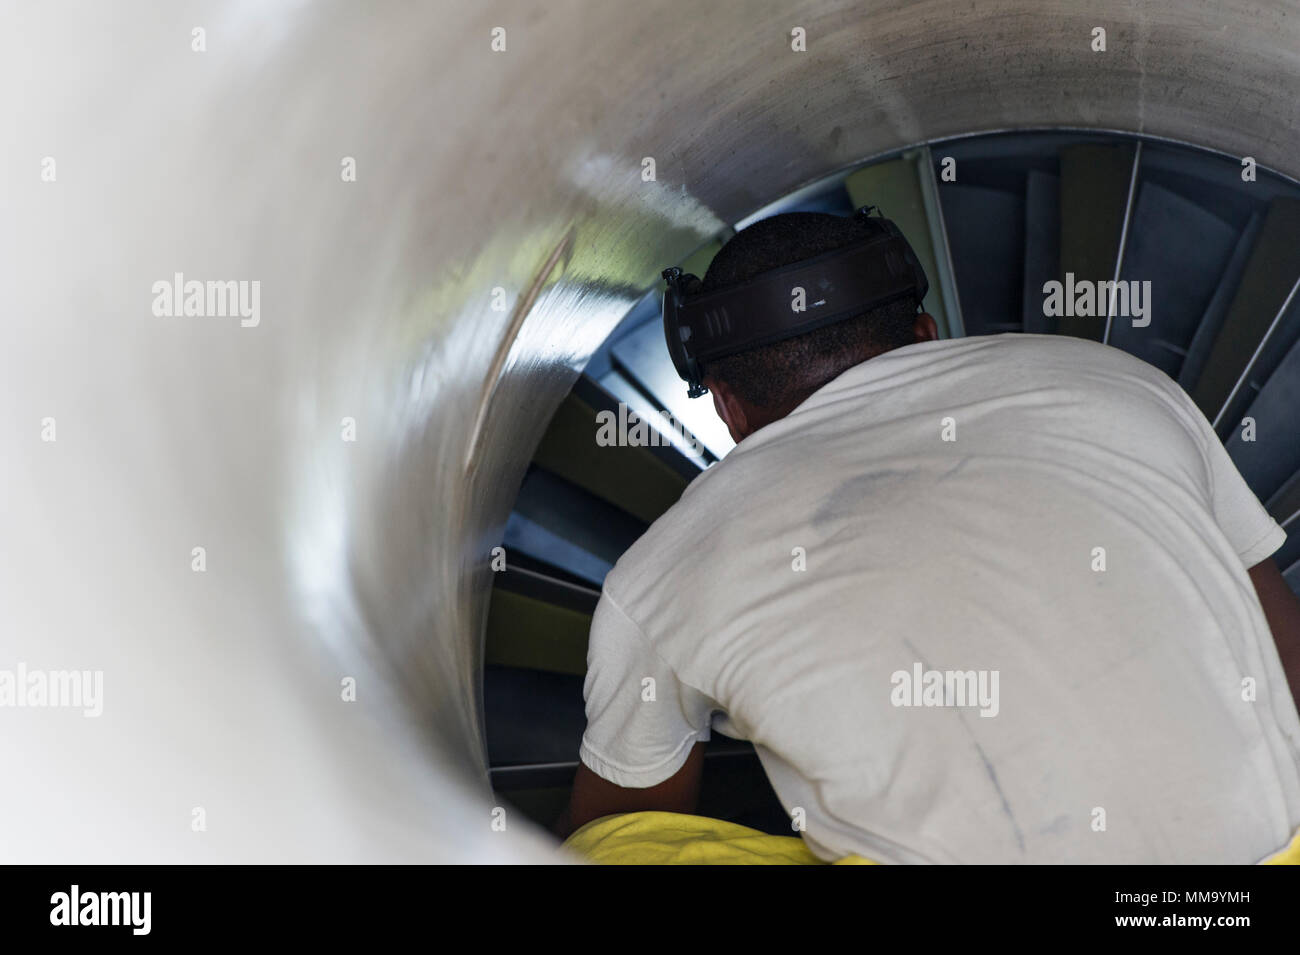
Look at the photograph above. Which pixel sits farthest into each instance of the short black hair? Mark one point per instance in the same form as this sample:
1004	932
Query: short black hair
771	375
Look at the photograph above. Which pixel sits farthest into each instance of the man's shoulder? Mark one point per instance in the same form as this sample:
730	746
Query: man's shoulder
676	537
1083	350
1071	356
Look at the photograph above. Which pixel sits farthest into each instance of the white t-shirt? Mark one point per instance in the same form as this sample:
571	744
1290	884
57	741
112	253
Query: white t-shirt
1050	519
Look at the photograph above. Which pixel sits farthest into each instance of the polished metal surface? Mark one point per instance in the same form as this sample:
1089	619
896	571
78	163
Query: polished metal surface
522	170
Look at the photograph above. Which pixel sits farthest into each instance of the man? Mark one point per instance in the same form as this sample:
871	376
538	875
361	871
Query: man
978	600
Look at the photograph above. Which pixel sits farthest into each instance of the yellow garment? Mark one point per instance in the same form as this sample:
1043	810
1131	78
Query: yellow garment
1288	856
671	838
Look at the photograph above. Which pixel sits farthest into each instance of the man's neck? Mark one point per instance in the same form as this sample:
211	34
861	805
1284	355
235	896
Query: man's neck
761	417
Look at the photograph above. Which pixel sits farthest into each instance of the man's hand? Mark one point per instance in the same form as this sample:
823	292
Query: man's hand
594	797
1282	609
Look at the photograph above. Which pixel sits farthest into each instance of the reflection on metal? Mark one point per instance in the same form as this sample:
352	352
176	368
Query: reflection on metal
944	274
1254	356
1123	240
333	562
521	311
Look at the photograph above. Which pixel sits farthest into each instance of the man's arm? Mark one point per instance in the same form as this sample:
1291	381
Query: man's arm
643	723
594	797
1282	609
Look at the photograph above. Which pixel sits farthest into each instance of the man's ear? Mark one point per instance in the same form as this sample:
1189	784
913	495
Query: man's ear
729	408
925	330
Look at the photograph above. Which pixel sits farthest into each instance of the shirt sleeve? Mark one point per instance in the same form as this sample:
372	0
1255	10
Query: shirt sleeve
641	720
1248	526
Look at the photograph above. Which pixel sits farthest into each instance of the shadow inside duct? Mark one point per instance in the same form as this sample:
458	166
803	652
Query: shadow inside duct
993	219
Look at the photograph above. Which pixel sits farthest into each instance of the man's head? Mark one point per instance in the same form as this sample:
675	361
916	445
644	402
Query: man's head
759	386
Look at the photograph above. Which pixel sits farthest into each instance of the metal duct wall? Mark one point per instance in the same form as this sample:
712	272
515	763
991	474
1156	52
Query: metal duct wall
131	156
